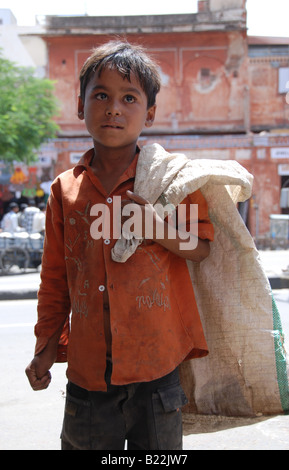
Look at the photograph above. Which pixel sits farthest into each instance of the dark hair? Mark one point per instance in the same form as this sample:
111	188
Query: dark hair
41	206
126	59
13	205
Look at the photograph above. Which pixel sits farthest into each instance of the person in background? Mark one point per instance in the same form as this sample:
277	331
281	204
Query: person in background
20	215
38	223
10	220
28	215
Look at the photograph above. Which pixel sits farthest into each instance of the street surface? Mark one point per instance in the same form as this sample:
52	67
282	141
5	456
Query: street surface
32	420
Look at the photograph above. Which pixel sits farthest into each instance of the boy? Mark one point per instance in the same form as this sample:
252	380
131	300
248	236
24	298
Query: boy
132	323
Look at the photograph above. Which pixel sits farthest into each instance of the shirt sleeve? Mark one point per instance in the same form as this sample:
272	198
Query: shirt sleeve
53	296
195	216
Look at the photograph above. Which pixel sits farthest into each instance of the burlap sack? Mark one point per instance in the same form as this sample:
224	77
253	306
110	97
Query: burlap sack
246	371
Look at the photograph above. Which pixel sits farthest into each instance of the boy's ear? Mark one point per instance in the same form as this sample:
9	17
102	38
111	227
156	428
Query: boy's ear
80	108
150	116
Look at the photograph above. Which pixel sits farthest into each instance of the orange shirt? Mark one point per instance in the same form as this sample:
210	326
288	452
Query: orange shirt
154	318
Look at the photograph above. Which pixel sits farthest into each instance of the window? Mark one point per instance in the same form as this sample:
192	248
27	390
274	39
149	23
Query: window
283	79
75	157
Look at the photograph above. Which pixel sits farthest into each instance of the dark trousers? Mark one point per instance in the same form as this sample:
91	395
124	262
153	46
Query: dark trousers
147	415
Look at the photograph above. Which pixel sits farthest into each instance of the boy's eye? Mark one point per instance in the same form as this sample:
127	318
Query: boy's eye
129	99
101	96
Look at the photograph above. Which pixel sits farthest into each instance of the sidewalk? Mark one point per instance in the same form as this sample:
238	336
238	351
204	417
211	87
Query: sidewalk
275	263
17	286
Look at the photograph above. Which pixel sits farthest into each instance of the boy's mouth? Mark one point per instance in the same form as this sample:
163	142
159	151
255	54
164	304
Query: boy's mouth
112	125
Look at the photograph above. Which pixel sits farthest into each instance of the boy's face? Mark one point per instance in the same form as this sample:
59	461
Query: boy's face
115	110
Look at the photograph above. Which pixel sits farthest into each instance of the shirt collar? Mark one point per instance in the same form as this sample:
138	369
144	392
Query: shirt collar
86	160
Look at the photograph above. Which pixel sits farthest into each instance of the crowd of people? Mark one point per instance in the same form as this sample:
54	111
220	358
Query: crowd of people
28	218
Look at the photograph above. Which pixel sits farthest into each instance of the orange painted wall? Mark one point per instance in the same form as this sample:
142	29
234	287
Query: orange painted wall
203	74
269	108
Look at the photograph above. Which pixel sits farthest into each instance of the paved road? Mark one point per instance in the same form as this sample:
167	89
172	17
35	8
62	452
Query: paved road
32	420
28	420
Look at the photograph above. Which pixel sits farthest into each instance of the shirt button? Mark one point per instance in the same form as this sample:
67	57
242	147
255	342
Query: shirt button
101	288
106	241
109	200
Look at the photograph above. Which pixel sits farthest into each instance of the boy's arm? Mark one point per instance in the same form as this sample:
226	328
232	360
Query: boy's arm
180	242
38	370
53	296
184	244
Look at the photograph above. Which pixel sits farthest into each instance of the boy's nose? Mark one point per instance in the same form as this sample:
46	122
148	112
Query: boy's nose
113	109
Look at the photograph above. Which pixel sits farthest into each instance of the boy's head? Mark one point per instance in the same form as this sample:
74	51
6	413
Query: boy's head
127	59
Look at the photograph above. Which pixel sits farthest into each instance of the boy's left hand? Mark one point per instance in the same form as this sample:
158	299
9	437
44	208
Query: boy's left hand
140	219
143	218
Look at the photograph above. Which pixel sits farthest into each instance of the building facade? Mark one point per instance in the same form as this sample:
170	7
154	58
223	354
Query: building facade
223	93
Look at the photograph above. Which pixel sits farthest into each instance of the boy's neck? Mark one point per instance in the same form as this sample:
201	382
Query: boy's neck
113	160
109	164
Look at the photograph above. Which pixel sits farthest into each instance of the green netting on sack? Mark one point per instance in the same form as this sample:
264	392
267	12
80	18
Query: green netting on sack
280	357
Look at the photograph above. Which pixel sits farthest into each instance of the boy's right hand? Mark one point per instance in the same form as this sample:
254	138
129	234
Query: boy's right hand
38	374
38	370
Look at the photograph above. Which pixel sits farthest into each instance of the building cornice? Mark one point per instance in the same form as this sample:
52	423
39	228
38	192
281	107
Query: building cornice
224	20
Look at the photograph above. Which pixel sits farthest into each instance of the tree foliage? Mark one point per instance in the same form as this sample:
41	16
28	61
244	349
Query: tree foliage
27	109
